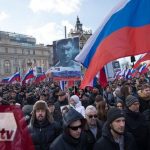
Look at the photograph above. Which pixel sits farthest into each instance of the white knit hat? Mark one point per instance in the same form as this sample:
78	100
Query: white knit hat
75	98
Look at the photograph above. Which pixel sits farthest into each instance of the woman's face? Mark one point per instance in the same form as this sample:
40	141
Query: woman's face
71	101
119	105
51	108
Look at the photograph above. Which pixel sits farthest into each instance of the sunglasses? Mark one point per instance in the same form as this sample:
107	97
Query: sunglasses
91	116
76	128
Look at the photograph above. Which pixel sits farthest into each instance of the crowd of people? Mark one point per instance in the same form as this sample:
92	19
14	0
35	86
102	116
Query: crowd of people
116	117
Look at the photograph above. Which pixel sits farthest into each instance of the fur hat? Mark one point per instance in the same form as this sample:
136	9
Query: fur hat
113	114
40	105
130	99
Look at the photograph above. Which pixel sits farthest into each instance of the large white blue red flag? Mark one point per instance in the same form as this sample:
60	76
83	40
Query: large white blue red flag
125	32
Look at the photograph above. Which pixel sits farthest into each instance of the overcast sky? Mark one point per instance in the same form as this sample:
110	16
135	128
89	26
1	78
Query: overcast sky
45	19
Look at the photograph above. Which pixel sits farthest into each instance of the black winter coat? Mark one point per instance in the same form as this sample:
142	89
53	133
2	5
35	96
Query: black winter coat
57	112
43	134
137	125
66	142
91	139
106	142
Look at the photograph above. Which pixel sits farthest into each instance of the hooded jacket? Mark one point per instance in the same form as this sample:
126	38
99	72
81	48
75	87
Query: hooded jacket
106	142
65	141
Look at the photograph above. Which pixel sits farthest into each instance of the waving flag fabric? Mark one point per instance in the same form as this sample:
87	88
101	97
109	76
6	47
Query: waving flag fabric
126	32
133	72
142	59
29	75
117	74
5	80
15	77
143	69
40	77
103	79
127	73
62	85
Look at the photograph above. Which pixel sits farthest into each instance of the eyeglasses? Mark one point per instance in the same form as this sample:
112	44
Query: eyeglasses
76	128
91	116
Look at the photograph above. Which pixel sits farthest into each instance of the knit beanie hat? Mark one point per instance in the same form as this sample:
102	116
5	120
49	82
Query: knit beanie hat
130	99
75	98
40	105
113	114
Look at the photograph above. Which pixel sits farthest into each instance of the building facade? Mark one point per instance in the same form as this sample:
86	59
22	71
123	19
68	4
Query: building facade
20	52
79	32
83	35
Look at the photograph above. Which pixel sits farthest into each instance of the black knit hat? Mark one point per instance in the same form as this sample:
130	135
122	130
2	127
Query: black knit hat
130	99
113	114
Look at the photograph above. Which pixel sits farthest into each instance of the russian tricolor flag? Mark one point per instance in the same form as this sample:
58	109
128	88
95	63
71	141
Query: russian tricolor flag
117	74
5	80
126	32
127	73
15	77
40	77
143	69
29	75
142	59
133	72
62	85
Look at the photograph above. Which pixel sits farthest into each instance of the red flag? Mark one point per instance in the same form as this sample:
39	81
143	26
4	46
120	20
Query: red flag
40	78
70	83
103	78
